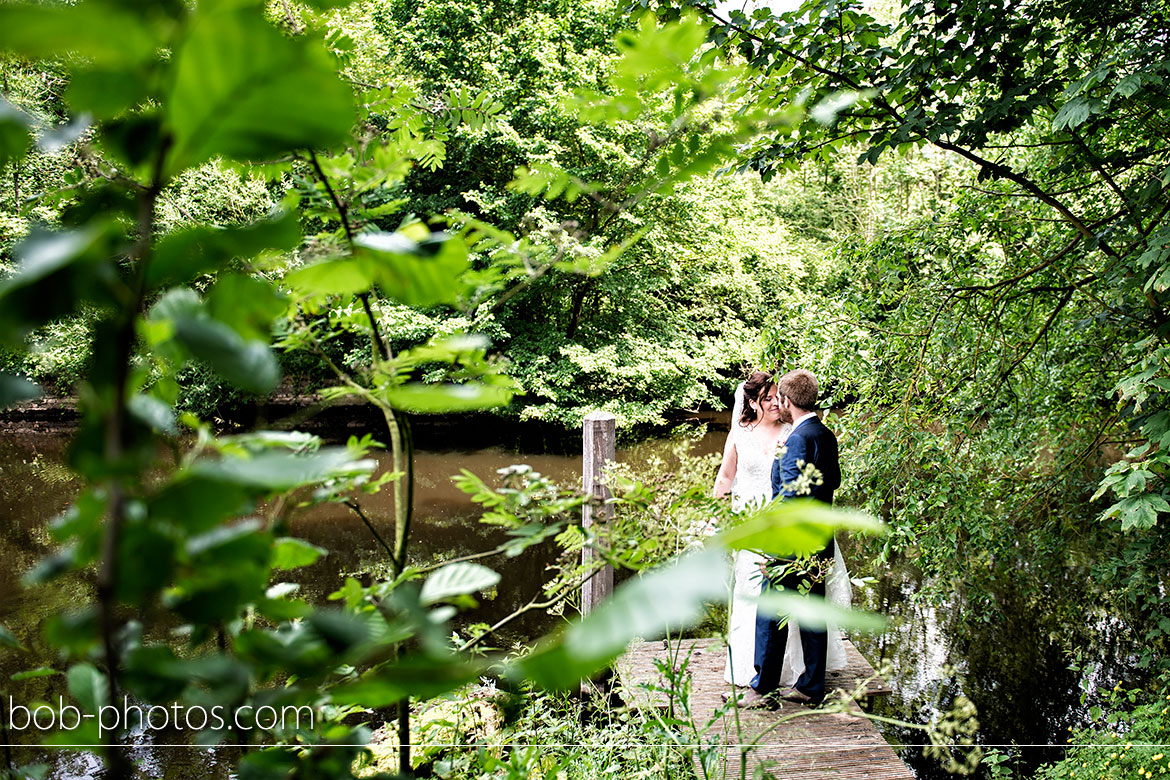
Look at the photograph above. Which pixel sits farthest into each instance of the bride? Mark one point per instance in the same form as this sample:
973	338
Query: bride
757	431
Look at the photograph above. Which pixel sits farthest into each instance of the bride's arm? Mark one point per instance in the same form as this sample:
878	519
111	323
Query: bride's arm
726	469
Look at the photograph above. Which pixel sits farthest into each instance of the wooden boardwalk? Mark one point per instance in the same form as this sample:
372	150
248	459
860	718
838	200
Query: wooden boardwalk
793	742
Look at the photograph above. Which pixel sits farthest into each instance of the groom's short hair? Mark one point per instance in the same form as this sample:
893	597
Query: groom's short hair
800	387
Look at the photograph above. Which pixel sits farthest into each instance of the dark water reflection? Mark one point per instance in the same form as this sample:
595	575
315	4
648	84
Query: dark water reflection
1011	666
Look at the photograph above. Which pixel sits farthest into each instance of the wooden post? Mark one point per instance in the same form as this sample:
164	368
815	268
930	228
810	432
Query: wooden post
597	439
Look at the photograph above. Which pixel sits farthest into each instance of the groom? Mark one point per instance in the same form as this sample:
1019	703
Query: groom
808	467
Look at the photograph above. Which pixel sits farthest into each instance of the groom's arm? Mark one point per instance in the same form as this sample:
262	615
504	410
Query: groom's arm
787	469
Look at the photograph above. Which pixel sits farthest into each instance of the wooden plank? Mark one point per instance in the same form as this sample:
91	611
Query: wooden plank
793	741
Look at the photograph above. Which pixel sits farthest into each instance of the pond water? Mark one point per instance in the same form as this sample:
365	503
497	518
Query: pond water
1011	668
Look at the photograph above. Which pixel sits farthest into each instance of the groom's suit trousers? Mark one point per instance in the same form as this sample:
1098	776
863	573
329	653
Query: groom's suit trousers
772	639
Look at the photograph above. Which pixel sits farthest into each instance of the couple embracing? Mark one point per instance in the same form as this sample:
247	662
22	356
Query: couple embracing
778	446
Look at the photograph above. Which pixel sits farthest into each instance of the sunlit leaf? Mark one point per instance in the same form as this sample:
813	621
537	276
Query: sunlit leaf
815	612
183	255
415	676
244	90
425	273
279	471
668	598
457	579
100	32
424	398
249	365
794	527
292	553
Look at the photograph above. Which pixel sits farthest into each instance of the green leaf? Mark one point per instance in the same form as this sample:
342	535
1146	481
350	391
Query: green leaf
15	137
814	612
152	412
88	686
249	365
247	303
423	398
244	90
185	254
668	598
278	471
426	273
85	735
32	674
292	553
416	676
341	631
417	274
198	503
794	527
105	93
8	639
57	271
456	579
1071	115
14	389
99	32
338	276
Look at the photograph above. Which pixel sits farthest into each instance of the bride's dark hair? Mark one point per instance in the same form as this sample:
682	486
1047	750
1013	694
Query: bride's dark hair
755	388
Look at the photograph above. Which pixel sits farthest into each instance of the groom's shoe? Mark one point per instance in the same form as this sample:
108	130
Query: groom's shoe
792	694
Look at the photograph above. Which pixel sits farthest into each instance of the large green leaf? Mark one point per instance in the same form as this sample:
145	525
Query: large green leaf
15	127
457	579
423	273
336	276
199	503
417	274
57	271
106	93
249	365
247	303
420	676
815	612
292	553
668	598
88	686
99	32
279	471
794	527
183	255
243	90
424	398
14	389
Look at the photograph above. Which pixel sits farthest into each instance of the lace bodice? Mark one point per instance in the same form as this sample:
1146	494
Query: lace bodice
752	485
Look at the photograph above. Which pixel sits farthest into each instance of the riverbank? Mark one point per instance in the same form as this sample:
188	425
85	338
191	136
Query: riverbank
335	421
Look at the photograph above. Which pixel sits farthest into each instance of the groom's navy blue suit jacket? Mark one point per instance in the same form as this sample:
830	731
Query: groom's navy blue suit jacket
811	442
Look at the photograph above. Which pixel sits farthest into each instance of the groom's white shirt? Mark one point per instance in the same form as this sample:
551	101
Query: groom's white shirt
799	420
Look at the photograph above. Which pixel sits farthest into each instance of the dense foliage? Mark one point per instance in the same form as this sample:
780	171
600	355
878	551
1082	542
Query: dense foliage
1004	337
955	214
189	609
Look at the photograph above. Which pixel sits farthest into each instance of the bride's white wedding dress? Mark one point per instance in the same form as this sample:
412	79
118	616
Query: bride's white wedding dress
752	487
